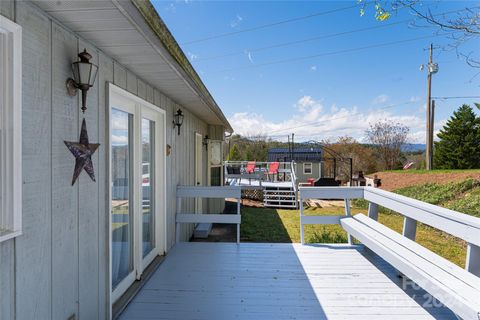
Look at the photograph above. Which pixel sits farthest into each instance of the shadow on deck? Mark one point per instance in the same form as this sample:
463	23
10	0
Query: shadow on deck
278	281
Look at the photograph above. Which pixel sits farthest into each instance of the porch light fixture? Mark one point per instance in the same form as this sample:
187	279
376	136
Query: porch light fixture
84	74
205	142
178	119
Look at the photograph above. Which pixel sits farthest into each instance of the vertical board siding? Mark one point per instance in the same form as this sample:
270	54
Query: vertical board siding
119	75
59	267
33	274
88	237
131	83
142	91
7	9
7	280
64	196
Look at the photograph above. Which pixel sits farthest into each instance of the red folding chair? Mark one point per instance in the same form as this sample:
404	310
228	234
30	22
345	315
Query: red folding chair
250	167
273	168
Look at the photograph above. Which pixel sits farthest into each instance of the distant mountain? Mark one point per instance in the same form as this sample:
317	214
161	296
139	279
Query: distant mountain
413	147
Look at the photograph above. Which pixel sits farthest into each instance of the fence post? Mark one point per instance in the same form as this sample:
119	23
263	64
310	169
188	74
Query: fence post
177	229
239	200
473	259
373	211
301	224
409	228
348	214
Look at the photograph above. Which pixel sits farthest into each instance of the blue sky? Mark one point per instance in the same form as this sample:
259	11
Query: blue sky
278	91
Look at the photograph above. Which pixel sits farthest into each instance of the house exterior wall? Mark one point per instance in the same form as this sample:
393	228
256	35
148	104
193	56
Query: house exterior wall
59	266
301	177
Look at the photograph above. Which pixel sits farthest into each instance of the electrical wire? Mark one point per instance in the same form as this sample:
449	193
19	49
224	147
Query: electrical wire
326	36
385	44
269	25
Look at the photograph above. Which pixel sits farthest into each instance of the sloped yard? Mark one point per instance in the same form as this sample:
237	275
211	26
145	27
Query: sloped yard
275	225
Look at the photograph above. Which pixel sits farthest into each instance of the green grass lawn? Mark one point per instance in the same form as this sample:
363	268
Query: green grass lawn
275	225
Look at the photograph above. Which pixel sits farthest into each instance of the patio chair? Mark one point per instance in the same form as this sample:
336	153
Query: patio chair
273	169
250	167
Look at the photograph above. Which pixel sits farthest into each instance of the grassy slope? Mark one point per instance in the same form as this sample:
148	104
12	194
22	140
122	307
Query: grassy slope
271	225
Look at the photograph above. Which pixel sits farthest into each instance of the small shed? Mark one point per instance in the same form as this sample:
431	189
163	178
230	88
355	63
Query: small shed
308	160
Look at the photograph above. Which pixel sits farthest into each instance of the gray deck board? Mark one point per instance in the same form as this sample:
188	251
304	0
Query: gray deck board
278	281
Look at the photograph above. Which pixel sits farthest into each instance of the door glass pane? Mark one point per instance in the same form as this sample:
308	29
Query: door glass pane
122	206
148	183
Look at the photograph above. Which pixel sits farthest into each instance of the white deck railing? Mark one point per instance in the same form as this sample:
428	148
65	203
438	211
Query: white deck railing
208	193
452	222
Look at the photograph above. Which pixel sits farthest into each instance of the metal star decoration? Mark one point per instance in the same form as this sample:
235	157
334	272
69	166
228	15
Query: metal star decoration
82	151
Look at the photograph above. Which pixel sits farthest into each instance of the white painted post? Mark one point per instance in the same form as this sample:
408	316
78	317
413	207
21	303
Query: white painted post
409	228
473	259
301	224
373	211
348	214
178	228
238	225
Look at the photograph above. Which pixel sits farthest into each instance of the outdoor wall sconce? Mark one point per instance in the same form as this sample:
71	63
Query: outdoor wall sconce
205	142
178	120
84	74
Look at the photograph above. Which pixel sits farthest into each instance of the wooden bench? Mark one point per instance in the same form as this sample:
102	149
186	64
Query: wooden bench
456	288
211	193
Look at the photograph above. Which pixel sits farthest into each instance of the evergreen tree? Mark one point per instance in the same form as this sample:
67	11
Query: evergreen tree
459	145
234	154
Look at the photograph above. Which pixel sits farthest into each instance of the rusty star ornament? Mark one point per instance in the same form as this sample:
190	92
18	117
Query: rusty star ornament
82	151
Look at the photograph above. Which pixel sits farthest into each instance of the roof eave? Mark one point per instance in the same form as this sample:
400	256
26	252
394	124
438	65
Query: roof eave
160	29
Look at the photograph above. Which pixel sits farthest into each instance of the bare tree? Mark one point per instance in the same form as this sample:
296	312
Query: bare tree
460	25
388	138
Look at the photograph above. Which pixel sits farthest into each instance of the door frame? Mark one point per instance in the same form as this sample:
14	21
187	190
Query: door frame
137	106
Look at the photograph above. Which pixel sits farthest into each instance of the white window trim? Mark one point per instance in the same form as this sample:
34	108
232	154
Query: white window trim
11	128
311	168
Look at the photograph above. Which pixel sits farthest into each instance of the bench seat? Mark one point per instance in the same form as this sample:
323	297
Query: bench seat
455	287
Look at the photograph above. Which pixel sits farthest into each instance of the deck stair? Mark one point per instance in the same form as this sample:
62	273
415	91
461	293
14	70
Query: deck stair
280	197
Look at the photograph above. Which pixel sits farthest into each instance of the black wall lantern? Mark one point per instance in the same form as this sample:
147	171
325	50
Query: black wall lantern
178	119
84	74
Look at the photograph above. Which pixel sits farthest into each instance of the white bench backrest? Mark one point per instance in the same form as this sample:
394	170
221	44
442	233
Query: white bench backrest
452	222
209	192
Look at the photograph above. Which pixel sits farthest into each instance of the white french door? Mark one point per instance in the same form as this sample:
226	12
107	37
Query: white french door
137	180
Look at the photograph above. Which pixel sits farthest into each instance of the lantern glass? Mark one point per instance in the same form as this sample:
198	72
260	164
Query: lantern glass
179	118
93	74
84	72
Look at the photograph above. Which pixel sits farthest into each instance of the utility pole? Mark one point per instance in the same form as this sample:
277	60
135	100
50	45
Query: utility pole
432	68
293	145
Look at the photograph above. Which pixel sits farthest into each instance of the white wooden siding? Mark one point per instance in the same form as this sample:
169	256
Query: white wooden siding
59	266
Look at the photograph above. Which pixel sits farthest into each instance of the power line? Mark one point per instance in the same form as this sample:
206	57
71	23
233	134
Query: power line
269	25
285	44
326	36
385	44
464	97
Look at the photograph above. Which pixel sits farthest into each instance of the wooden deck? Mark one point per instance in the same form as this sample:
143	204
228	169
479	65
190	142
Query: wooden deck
278	281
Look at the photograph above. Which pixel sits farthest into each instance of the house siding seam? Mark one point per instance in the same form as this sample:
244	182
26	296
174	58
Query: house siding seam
59	266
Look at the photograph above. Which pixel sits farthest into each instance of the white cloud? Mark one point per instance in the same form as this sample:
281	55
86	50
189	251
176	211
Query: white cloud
311	120
119	140
249	56
380	99
192	56
236	21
